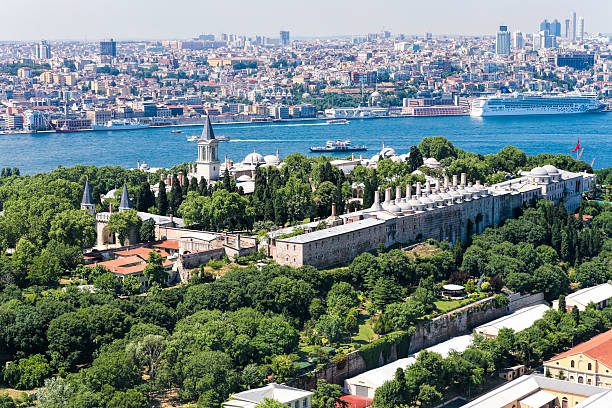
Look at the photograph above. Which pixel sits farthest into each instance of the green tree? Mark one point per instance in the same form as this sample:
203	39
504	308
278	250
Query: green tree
74	228
162	199
28	372
415	158
330	327
283	367
327	396
45	269
429	396
154	271
146	232
69	340
129	399
341	298
148	352
109	283
124	224
562	304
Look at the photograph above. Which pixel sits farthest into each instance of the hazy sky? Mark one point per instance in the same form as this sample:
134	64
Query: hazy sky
155	19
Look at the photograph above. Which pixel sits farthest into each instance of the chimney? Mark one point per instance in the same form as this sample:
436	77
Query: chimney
172	219
463	179
238	241
454	180
352	156
169	180
377	197
418	189
333	214
138	164
470	184
446	182
427	187
180	178
398	194
477	182
437	185
388	195
408	192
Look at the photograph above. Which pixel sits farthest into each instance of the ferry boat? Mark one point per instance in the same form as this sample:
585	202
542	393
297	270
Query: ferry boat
337	122
176	131
339	146
350	113
535	104
120	125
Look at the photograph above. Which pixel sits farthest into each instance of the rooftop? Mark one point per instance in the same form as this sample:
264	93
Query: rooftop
278	392
599	348
593	294
332	232
517	321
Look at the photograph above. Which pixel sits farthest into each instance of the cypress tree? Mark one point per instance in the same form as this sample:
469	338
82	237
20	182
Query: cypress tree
162	199
185	186
280	214
145	198
193	184
176	195
458	253
576	315
415	158
203	187
562	304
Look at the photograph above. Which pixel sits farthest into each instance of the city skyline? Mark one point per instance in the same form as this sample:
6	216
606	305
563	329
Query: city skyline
138	20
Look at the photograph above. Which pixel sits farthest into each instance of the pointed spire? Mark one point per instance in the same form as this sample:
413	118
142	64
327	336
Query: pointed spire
87	200
207	132
125	203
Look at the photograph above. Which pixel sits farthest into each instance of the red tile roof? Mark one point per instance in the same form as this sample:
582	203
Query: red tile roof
168	244
598	348
354	401
142	252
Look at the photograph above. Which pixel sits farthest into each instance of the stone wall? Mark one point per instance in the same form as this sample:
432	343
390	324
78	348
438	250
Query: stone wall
428	333
193	260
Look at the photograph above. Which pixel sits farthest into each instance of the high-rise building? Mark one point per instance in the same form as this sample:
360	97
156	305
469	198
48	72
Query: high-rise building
428	36
573	26
284	38
502	44
567	28
108	48
43	50
555	28
544	25
517	40
580	34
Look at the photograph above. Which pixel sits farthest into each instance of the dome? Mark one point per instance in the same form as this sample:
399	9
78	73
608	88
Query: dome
375	158
253	159
404	205
396	159
376	94
404	157
244	177
416	204
539	172
391	206
387	152
271	159
305	95
436	198
431	162
550	169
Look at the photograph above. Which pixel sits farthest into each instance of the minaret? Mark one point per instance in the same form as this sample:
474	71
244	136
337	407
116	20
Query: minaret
87	203
125	203
207	165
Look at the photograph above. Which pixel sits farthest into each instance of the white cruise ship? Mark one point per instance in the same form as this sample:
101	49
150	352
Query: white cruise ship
533	104
120	125
350	113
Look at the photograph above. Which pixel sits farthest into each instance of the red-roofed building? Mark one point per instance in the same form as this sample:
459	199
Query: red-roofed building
589	362
353	401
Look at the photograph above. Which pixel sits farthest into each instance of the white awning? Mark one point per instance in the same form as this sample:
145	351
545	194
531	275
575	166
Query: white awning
538	399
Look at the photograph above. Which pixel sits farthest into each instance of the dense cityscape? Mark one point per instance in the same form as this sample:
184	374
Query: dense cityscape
339	274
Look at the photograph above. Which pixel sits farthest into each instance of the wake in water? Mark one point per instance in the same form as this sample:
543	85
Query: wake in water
275	125
265	140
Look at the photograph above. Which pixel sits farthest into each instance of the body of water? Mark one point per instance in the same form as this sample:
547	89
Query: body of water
158	147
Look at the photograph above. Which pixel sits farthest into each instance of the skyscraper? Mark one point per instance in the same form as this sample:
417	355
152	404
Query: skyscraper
567	28
284	38
573	26
502	45
43	50
544	25
108	48
555	28
580	33
517	40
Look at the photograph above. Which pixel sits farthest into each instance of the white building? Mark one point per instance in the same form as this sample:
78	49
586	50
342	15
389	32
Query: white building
599	295
366	384
502	44
517	321
292	397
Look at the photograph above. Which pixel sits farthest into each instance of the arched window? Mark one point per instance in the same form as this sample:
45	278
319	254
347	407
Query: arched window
564	402
572	364
590	367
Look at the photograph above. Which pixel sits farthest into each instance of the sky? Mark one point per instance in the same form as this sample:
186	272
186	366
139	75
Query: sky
27	20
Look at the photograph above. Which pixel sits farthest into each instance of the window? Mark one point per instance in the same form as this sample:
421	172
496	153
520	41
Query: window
590	367
572	364
304	403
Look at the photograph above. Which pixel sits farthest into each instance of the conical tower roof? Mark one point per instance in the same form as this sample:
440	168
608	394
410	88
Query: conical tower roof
207	132
87	194
125	203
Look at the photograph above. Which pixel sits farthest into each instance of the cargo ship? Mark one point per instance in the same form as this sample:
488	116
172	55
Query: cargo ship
120	125
338	146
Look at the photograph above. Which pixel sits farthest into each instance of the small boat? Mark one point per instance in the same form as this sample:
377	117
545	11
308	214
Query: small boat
338	122
339	146
192	139
222	138
177	131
